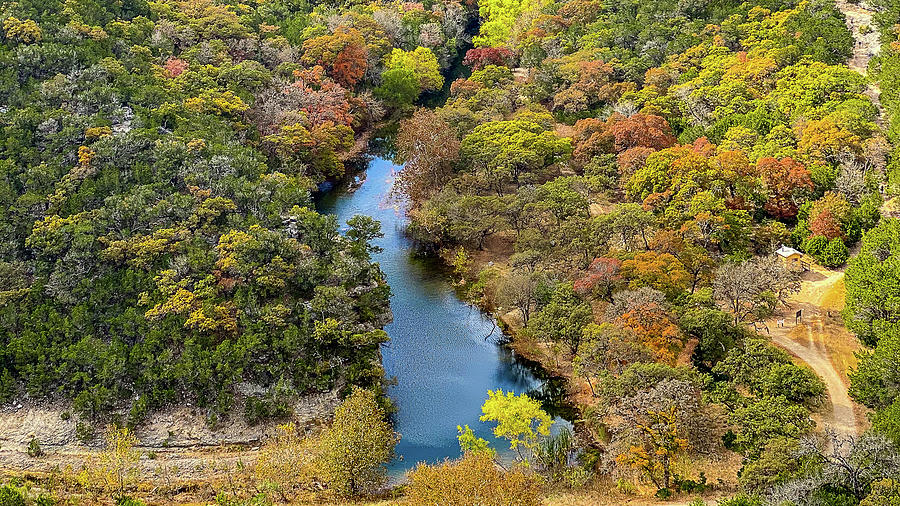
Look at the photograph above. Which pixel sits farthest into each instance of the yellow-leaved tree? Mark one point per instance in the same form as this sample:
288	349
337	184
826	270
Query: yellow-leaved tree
114	471
354	450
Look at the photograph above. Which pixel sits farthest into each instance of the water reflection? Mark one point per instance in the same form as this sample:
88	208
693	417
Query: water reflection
443	352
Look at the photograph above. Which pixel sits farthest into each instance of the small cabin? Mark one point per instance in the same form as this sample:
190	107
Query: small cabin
790	257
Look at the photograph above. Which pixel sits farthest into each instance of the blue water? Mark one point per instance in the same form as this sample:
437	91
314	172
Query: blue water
443	352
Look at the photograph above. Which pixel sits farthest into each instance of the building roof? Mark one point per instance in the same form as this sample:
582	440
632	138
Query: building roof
787	251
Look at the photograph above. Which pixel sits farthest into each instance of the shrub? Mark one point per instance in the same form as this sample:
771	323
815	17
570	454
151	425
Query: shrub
128	501
887	422
10	496
475	475
44	500
835	254
740	500
84	432
34	449
814	245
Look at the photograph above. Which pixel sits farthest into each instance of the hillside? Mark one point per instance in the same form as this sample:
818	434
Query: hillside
642	195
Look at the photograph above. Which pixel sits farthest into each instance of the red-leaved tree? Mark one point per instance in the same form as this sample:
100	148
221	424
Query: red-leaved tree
785	180
647	130
601	278
481	57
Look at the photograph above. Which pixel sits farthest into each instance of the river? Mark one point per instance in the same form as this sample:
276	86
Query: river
444	353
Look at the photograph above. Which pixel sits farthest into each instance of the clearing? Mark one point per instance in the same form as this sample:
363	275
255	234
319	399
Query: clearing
820	340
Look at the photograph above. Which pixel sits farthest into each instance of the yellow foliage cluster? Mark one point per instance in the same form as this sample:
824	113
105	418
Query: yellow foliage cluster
204	315
85	156
115	469
180	302
212	208
93	32
26	31
141	250
97	132
216	102
660	444
52	234
207	18
473	479
291	139
219	318
286	463
196	145
76	174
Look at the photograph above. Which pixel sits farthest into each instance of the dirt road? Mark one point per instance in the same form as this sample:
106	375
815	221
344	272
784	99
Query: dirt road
841	416
821	341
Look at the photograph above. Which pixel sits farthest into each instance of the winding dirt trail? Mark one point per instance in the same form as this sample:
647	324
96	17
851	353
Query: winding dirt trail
814	341
816	338
842	416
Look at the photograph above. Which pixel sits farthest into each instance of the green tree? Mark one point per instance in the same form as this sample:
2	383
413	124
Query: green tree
876	380
886	421
563	319
500	152
873	284
422	63
499	17
765	418
835	253
399	86
564	197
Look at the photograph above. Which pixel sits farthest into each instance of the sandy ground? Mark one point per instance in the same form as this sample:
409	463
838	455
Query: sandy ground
821	341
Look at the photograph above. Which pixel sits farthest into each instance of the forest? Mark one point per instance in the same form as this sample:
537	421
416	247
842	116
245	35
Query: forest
608	179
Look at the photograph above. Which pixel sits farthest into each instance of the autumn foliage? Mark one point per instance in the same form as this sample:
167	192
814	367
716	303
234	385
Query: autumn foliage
646	130
601	277
480	57
656	329
785	180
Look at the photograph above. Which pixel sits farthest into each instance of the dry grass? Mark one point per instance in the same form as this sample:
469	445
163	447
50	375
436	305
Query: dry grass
832	299
891	207
822	298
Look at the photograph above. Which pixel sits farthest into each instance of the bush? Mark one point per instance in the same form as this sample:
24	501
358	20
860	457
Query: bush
259	408
691	486
34	449
43	500
815	245
663	494
10	496
475	475
128	501
740	500
835	254
84	432
887	422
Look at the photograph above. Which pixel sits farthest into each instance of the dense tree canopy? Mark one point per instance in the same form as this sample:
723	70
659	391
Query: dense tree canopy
156	176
